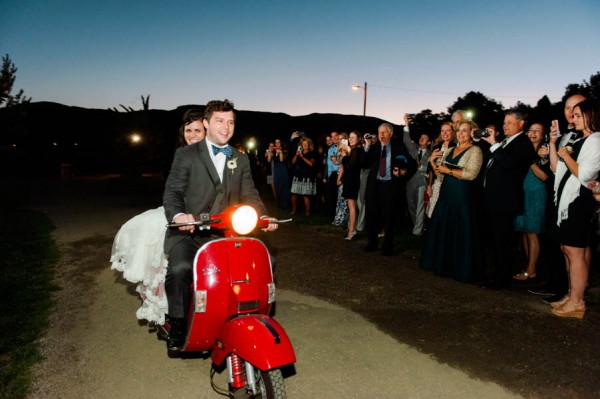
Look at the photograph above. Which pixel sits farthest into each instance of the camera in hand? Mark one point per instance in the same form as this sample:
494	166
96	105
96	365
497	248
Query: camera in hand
480	133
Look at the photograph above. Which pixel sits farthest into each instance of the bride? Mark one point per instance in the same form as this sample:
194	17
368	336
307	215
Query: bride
138	246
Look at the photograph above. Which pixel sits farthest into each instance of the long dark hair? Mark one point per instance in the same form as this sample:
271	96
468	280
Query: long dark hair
590	110
191	115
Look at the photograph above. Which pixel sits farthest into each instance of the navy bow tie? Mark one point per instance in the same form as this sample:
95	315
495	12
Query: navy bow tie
225	150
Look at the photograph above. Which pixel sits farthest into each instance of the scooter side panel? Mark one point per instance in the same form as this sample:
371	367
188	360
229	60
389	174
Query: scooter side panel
257	339
232	271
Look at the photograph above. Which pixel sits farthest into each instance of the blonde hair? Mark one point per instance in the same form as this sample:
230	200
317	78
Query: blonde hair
311	145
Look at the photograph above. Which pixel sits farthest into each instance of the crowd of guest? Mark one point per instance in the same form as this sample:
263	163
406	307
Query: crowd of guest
495	207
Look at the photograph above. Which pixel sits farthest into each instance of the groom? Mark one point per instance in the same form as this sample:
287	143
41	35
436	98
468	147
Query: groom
205	177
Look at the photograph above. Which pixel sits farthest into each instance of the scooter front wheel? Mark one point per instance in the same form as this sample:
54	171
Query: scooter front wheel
269	384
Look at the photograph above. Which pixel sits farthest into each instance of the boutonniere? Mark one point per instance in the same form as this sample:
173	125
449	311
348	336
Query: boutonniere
232	164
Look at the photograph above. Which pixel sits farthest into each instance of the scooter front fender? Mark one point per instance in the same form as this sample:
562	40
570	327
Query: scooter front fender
257	339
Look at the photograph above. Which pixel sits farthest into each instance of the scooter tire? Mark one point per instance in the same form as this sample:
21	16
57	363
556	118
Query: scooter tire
272	385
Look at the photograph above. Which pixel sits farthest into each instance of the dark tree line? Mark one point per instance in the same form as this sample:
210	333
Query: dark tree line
488	111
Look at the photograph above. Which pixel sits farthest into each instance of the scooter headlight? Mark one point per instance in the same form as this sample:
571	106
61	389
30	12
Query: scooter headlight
244	219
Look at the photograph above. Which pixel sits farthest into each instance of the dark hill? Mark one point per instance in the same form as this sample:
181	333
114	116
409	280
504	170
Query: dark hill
36	138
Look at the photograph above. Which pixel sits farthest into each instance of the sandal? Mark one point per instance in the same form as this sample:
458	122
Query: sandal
524	276
558	304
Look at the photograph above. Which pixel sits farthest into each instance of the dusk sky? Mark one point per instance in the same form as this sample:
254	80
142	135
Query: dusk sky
299	57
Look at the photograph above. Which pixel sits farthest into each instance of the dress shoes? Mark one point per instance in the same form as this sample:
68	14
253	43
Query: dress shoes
177	333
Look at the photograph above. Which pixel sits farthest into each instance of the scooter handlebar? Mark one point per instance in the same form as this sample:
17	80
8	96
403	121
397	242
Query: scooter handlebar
202	223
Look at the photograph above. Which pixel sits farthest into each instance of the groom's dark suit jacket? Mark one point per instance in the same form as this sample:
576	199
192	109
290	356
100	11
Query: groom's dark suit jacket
504	178
194	186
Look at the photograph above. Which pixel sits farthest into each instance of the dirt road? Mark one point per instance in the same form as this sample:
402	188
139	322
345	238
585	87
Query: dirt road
95	347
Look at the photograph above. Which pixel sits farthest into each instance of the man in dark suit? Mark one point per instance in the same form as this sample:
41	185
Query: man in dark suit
390	166
205	177
508	163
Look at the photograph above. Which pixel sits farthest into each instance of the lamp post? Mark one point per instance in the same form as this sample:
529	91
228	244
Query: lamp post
356	87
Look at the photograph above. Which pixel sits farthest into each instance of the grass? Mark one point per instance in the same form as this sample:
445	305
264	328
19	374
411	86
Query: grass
28	255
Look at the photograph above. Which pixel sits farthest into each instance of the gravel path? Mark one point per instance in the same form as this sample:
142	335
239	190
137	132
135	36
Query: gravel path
362	327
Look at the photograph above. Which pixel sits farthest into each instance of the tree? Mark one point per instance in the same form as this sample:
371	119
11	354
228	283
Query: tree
426	122
572	89
146	102
543	112
7	80
485	110
594	86
590	89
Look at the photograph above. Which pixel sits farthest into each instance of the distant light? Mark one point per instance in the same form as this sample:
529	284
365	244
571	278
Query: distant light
356	87
251	144
55	144
75	144
135	138
470	114
14	146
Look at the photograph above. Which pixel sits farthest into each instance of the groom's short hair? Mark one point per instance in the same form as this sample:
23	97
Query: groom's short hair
218	106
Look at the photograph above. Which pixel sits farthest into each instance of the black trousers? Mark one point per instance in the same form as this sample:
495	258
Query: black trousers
501	228
381	208
179	275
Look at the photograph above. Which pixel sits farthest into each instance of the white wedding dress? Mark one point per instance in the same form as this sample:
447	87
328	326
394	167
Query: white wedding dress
138	252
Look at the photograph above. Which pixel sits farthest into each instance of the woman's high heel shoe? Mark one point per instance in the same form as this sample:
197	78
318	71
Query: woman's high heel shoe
351	236
558	304
576	313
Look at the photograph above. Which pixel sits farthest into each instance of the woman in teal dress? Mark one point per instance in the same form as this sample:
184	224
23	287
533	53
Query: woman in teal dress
532	221
451	247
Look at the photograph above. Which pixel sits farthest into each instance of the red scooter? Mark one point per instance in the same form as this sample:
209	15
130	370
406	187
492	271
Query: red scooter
233	292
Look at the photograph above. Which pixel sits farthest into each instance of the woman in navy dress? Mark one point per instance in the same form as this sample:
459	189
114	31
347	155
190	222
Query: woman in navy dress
277	158
452	248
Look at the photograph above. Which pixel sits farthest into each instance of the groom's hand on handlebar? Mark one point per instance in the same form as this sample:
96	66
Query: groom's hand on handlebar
185	218
271	226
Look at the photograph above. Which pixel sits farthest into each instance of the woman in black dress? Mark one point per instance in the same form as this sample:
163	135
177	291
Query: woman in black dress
350	178
576	167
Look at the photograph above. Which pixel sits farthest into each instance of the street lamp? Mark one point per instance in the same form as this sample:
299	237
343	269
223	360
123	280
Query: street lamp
356	87
135	138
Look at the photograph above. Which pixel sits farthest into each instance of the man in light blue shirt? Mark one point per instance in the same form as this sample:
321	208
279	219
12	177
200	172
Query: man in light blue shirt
333	167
